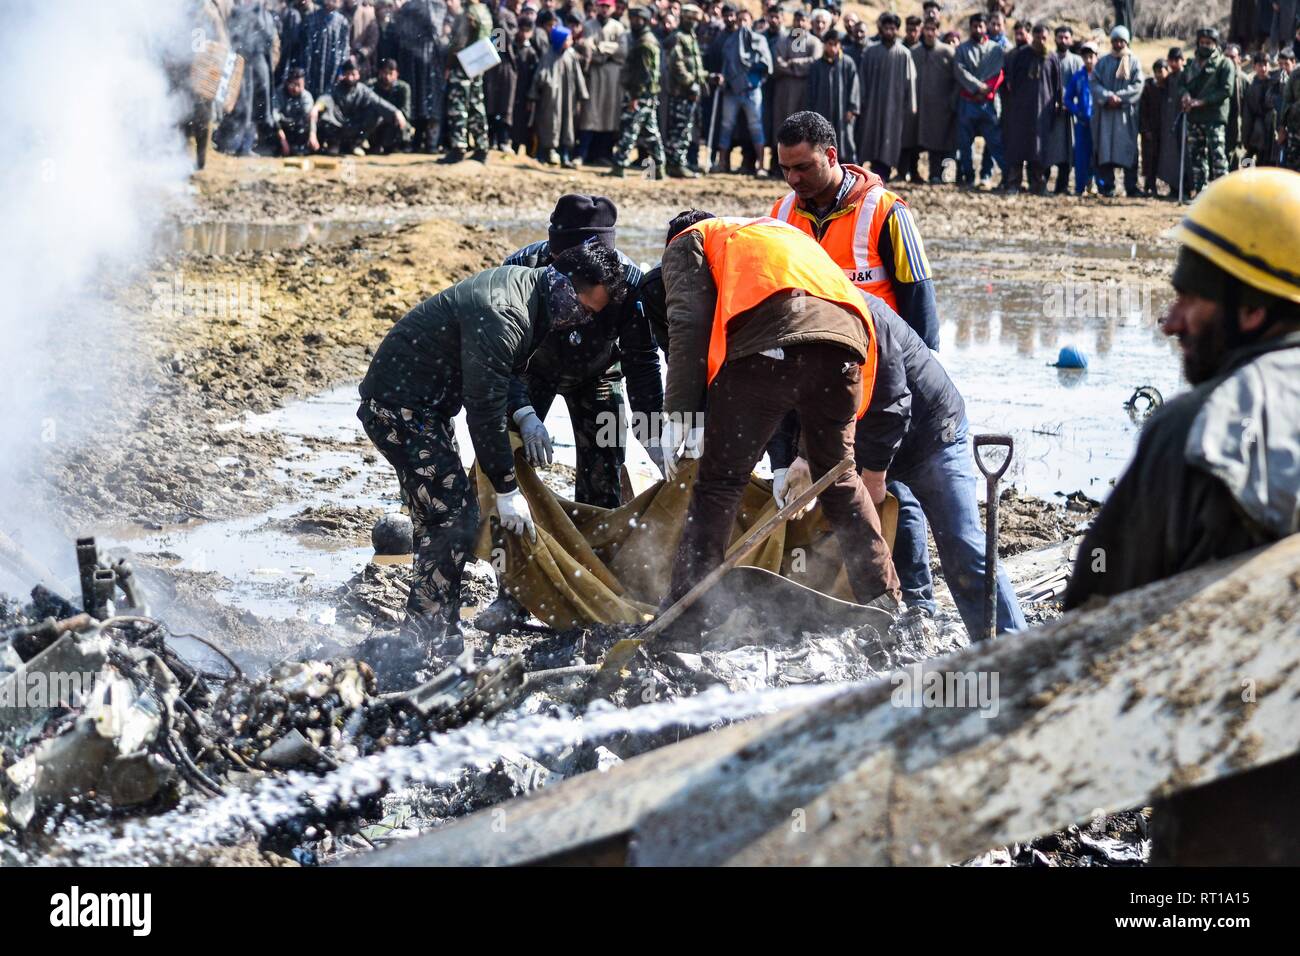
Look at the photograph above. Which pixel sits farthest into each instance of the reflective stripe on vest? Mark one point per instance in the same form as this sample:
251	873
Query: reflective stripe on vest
852	239
753	259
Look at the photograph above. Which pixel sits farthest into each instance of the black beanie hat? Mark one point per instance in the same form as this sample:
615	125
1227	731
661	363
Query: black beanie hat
579	218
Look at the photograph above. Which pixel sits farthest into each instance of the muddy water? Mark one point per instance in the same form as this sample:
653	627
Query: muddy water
998	340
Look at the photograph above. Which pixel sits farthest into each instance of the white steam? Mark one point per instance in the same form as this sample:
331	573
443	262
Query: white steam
89	156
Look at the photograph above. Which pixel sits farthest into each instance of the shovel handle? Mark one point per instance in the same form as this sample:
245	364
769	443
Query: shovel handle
985	441
742	550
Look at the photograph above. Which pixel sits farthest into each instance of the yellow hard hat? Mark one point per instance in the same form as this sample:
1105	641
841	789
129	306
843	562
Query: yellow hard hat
1248	224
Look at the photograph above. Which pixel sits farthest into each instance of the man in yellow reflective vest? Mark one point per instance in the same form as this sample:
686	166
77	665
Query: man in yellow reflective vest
764	322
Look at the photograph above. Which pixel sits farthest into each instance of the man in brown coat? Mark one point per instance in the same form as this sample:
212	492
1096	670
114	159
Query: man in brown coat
793	335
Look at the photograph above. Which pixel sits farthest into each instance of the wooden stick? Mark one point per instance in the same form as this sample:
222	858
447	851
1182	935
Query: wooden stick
755	537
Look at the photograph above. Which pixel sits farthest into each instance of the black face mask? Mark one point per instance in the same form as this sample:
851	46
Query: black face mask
1204	52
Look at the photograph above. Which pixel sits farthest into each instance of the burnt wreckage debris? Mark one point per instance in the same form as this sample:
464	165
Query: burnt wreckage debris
101	715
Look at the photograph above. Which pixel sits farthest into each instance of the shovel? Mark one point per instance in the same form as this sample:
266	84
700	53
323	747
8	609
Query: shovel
622	652
991	476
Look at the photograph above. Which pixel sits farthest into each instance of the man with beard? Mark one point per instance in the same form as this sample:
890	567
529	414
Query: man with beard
911	31
1217	469
888	99
1116	89
398	92
978	65
936	93
460	349
793	56
1032	96
1060	144
745	62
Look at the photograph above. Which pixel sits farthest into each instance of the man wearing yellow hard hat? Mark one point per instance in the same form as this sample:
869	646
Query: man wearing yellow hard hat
1217	469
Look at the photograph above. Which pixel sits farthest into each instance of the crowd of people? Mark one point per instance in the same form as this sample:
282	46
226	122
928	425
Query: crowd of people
666	85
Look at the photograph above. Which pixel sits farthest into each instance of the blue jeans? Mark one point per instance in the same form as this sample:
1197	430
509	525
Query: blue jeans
942	488
752	104
975	119
1082	158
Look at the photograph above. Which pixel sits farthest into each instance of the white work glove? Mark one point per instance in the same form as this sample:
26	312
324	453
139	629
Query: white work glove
671	435
515	514
537	440
789	483
694	443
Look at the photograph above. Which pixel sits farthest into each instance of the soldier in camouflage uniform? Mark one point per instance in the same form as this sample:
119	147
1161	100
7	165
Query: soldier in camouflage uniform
1207	85
459	350
640	120
687	79
466	111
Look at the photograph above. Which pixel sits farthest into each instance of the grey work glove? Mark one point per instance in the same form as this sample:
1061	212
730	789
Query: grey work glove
537	440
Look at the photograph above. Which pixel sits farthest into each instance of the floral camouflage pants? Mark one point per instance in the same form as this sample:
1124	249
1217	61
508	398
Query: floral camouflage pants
422	449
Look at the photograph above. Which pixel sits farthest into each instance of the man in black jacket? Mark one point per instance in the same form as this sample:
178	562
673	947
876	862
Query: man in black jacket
912	441
458	349
587	366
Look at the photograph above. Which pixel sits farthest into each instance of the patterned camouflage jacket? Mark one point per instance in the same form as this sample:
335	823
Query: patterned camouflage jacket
1210	81
641	75
686	73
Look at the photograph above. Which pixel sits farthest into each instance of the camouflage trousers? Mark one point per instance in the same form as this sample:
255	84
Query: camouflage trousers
681	128
599	432
466	113
640	125
422	449
1207	153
